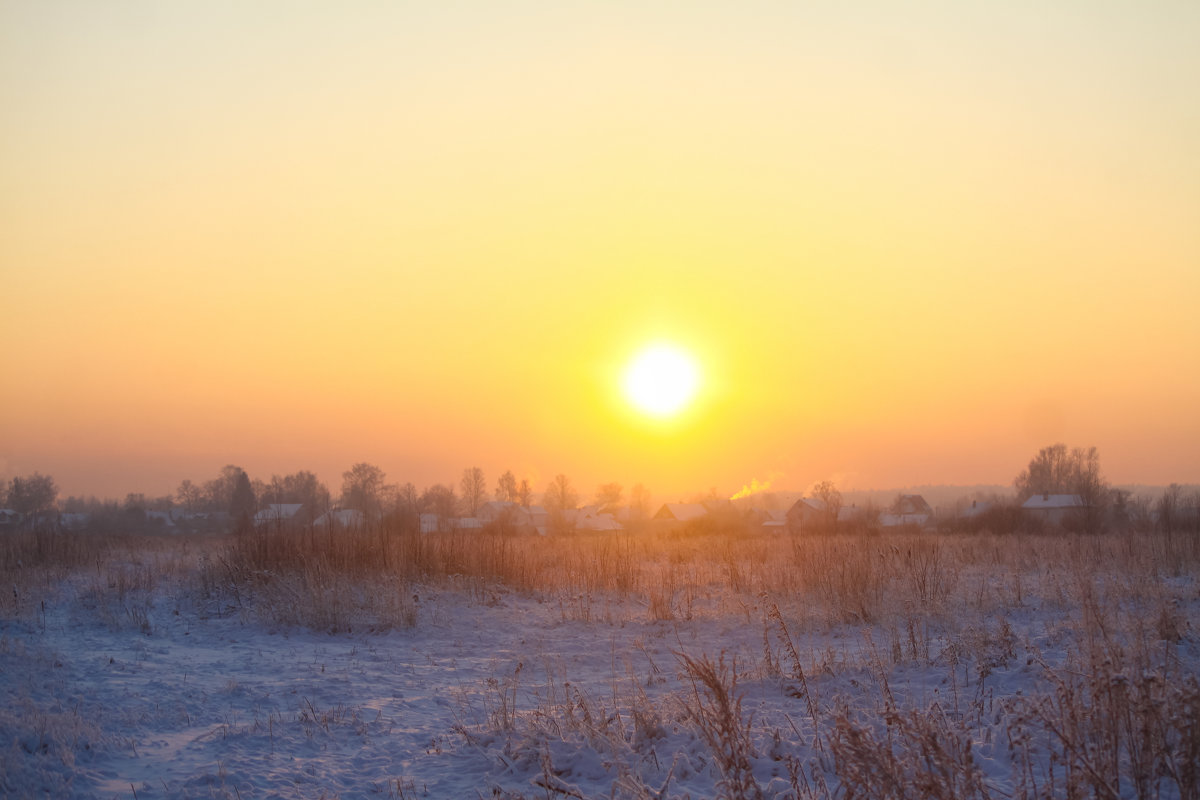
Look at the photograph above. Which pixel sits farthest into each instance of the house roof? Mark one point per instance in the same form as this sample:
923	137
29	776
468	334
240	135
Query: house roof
278	511
600	522
912	504
1049	501
975	509
681	512
809	504
774	518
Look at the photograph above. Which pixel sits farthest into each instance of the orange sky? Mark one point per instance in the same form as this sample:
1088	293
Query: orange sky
904	248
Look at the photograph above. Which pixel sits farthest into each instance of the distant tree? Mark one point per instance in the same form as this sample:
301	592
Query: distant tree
560	497
189	495
609	494
827	492
218	493
560	494
506	488
474	490
439	499
407	498
525	493
243	503
264	493
81	505
32	495
1058	470
362	489
407	508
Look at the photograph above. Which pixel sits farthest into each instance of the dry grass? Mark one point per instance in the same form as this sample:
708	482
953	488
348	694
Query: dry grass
1118	717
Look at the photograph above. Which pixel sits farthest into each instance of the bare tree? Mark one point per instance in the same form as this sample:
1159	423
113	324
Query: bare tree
218	493
831	500
560	494
559	498
506	488
609	494
474	490
439	499
408	508
190	495
525	493
362	489
32	495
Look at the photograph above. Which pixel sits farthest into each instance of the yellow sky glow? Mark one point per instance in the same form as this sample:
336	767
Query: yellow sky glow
903	248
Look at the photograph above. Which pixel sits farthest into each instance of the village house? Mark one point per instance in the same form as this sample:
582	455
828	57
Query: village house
1053	509
340	518
909	511
278	513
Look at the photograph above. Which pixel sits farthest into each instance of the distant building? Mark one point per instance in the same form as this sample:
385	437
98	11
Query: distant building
1053	509
340	518
909	510
974	510
806	514
770	520
593	518
278	513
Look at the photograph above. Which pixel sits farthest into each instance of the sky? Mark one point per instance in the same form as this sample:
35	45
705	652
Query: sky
903	243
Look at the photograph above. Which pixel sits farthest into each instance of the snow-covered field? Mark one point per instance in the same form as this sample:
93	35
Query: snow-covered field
1011	675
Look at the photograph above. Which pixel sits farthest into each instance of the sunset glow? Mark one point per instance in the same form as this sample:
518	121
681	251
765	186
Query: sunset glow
903	244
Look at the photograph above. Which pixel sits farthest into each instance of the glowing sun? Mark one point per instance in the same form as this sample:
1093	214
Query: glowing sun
661	380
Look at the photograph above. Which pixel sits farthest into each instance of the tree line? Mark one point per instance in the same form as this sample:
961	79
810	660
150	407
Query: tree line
232	495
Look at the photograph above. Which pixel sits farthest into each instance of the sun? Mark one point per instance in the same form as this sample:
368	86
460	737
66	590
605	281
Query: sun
661	380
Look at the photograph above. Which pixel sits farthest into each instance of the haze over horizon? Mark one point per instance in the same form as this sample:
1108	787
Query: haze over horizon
901	247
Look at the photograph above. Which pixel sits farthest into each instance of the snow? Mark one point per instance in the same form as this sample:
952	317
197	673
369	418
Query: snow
494	693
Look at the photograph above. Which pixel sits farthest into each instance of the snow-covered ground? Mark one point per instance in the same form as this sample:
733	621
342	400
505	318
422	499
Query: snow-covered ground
152	693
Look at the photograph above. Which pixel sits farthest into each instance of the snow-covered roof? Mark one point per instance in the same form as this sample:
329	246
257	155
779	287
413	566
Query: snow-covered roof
599	522
1052	501
342	517
912	504
975	509
278	511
